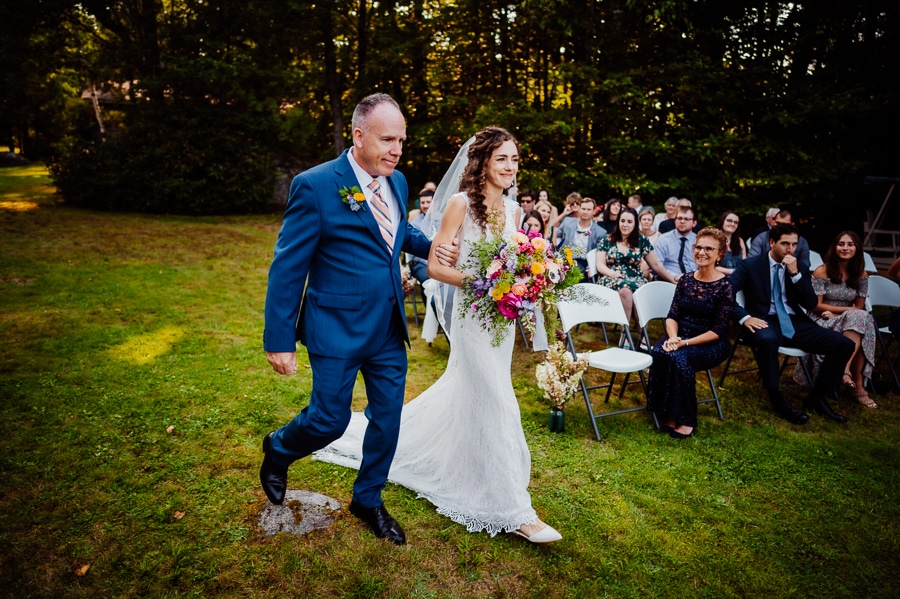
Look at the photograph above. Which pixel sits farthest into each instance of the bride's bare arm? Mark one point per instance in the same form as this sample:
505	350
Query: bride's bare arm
451	222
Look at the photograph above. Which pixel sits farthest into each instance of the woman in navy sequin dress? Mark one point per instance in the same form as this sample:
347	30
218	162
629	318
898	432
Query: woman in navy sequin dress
697	337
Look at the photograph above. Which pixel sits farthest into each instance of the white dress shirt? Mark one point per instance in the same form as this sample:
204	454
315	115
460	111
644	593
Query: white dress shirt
365	179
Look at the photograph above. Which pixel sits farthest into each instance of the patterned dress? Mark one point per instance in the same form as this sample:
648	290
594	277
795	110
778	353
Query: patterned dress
851	320
628	263
697	307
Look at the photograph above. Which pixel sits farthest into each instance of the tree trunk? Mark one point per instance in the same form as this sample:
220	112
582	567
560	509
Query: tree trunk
331	81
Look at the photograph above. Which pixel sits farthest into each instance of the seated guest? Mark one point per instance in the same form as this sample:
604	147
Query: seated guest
696	337
771	213
610	215
570	210
777	288
736	249
760	243
533	221
619	256
645	218
842	286
671	207
546	210
526	201
580	234
669	224
417	266
416	212
675	248
634	202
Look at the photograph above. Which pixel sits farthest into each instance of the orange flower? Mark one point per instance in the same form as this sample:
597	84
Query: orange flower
519	289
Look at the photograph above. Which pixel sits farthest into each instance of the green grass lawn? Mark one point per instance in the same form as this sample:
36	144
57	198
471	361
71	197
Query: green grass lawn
115	327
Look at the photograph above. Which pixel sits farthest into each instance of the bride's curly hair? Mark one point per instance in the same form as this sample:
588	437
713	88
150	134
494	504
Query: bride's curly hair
474	176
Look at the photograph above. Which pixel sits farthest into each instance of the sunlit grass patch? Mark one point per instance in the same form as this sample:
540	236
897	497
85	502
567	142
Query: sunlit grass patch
18	206
24	188
143	349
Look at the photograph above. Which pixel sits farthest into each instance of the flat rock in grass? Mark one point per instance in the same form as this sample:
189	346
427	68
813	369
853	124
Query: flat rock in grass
301	512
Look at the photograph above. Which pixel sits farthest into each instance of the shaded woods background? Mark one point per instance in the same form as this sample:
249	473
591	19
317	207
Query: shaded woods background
732	104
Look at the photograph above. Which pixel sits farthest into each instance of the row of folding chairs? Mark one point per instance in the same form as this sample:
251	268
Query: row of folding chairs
652	302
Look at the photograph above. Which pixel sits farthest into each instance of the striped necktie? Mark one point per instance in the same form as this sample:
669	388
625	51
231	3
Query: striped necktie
382	213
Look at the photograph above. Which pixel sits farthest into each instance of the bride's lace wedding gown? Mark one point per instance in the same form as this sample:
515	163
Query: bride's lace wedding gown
461	443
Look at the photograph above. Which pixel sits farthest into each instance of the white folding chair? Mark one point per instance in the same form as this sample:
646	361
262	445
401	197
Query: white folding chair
884	292
651	302
787	352
592	265
815	260
606	308
869	263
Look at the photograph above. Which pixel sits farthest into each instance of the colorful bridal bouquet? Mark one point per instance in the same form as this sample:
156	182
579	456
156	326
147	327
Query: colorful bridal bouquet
559	374
514	278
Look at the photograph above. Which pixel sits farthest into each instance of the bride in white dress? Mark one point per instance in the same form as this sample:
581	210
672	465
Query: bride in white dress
461	442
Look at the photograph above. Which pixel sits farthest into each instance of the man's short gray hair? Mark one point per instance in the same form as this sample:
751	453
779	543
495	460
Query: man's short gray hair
772	212
367	105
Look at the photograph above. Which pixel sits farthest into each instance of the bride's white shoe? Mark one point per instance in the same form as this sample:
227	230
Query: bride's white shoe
548	534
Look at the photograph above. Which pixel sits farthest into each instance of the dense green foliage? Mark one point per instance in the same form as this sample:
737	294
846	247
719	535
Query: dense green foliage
740	104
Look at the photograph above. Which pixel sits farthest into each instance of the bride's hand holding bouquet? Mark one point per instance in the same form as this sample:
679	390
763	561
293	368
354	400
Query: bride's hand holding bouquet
513	279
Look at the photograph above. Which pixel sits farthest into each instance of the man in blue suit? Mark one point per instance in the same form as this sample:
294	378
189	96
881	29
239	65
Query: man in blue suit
776	289
334	284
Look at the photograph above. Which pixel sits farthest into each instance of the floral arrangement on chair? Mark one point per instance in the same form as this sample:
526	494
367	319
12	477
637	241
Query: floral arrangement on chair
515	277
559	374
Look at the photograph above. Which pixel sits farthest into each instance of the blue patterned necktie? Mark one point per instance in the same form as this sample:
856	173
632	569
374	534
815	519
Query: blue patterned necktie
784	319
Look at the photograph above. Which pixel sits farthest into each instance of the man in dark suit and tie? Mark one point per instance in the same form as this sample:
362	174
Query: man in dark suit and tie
776	290
334	285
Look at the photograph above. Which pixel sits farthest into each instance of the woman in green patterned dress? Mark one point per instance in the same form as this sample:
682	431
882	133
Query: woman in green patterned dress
619	256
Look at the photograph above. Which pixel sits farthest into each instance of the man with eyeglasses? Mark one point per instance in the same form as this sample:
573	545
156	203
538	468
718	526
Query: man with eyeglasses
675	249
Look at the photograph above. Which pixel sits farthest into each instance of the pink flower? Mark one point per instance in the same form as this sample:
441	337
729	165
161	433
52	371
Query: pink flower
509	306
494	268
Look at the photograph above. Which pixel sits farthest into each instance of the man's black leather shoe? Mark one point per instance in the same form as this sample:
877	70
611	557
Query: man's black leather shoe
822	407
380	521
791	414
273	479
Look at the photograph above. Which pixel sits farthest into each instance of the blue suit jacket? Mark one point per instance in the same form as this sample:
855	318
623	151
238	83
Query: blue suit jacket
332	284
